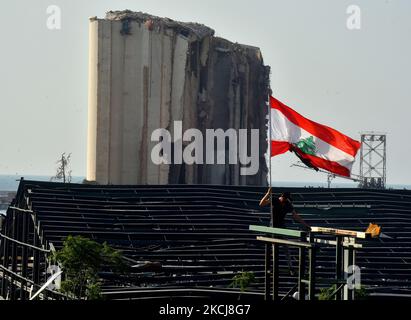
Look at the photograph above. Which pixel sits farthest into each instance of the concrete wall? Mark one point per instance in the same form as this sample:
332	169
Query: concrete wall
145	73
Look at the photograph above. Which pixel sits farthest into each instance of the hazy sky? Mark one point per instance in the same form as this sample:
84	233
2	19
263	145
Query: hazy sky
352	80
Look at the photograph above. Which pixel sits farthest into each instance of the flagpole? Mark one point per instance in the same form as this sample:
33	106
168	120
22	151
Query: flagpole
269	155
269	141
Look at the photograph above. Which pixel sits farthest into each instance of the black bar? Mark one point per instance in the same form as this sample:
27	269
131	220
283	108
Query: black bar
275	270
23	294
339	268
5	263
13	256
311	285
350	255
267	288
36	257
353	262
301	273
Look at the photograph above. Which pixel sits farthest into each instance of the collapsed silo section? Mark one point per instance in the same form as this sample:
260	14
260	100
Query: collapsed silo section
148	73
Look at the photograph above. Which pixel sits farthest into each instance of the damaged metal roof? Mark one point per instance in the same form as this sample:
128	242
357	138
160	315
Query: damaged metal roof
196	236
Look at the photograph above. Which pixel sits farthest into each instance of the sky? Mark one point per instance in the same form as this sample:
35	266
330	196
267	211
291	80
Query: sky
352	80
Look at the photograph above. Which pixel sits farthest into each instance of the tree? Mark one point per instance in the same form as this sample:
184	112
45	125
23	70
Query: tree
81	260
63	172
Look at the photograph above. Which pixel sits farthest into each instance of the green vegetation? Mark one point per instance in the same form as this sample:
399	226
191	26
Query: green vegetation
81	260
361	294
325	293
242	280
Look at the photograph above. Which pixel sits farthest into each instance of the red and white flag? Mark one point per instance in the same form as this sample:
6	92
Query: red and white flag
315	144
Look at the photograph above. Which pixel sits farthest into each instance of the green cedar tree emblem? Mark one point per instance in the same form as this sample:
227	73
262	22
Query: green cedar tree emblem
307	145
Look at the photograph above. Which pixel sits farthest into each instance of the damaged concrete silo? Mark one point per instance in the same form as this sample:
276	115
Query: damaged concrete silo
146	73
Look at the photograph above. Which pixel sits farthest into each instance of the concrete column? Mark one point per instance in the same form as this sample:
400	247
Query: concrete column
99	101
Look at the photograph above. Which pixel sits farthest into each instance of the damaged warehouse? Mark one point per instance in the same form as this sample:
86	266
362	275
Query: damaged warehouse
191	240
147	73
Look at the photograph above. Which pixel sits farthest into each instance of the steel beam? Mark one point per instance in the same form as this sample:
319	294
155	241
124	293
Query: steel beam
267	288
338	262
311	268
276	276
278	231
301	273
285	242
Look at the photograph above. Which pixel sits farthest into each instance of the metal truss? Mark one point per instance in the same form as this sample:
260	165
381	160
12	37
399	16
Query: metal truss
373	172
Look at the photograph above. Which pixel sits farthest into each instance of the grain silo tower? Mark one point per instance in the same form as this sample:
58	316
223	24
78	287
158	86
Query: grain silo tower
147	72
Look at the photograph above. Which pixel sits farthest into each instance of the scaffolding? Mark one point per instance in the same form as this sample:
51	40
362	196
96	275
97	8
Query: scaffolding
373	172
345	244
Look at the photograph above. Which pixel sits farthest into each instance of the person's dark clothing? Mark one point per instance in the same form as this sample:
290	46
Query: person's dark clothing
279	211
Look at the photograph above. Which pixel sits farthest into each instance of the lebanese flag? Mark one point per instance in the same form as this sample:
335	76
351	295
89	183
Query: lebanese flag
315	144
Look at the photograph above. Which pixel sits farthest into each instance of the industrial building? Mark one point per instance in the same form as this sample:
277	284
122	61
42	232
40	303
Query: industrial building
192	240
147	72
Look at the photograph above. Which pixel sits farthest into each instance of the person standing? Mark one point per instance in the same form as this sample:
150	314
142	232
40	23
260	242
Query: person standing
279	209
